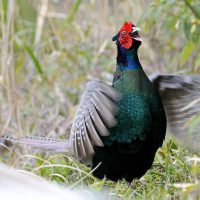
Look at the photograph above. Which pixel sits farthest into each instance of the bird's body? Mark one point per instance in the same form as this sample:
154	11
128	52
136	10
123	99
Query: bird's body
130	148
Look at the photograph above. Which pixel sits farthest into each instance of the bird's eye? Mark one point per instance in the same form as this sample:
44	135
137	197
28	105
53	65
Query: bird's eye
123	32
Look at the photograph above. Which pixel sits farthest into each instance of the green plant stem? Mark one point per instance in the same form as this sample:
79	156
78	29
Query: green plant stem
197	15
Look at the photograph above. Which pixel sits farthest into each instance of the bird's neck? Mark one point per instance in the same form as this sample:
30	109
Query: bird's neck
129	75
128	59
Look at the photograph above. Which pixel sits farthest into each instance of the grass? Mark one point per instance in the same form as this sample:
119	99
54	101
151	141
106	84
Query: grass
49	50
174	175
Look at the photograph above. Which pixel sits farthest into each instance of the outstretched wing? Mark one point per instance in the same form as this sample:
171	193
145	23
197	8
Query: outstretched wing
95	114
181	98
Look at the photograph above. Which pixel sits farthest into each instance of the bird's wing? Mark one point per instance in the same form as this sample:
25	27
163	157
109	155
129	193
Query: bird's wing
181	99
95	114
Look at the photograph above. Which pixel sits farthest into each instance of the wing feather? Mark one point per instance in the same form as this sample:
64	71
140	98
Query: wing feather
181	98
94	137
94	116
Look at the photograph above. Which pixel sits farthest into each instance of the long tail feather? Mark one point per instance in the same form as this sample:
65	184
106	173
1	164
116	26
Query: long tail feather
44	143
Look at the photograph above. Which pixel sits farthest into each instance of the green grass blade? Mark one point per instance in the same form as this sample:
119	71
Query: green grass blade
34	59
72	12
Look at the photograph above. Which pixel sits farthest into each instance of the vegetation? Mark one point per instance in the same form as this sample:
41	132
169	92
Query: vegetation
50	49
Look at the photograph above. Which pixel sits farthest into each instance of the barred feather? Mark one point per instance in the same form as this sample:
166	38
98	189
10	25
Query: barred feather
96	113
50	144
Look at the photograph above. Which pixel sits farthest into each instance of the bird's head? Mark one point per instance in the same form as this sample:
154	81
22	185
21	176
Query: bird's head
128	36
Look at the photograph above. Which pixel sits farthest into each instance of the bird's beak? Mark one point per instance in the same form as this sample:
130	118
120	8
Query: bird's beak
136	29
135	35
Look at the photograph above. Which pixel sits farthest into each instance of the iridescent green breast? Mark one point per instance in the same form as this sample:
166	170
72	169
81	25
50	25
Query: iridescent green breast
135	107
133	118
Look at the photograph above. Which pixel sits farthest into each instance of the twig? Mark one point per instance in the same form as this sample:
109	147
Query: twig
40	20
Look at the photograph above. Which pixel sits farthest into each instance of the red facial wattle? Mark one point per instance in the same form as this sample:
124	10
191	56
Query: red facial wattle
126	41
124	38
127	33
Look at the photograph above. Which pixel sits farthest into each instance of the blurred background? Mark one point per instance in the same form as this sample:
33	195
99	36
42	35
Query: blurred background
51	48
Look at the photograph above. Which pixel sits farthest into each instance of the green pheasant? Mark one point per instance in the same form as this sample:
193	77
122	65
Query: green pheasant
130	148
117	129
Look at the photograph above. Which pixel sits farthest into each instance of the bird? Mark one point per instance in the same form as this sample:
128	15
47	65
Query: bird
118	128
